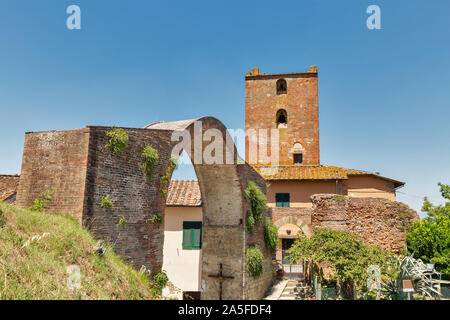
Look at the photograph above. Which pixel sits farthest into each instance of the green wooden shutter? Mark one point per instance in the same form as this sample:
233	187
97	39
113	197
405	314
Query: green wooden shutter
192	235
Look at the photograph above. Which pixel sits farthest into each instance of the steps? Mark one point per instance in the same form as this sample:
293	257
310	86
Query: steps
295	290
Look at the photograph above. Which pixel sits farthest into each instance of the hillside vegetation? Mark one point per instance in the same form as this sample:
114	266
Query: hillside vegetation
38	252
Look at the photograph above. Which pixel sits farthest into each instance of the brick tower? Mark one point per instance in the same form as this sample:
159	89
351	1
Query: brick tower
288	102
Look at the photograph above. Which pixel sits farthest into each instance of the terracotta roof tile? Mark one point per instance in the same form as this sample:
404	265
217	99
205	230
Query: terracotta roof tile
184	193
8	185
313	172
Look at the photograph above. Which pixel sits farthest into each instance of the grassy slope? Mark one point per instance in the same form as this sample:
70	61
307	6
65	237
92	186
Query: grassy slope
39	270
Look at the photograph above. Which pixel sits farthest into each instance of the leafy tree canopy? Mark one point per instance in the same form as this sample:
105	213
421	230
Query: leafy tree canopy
343	251
429	238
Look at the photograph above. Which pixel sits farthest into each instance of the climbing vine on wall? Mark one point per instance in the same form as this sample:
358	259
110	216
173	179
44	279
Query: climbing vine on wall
250	221
117	140
255	260
258	203
270	235
150	156
165	178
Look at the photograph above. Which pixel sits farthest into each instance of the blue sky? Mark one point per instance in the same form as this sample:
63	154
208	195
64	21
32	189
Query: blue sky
384	95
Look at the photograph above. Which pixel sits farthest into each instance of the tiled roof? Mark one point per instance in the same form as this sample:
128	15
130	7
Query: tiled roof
184	193
8	185
313	172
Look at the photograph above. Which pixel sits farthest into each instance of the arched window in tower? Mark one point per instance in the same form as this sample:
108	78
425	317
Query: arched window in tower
281	86
281	118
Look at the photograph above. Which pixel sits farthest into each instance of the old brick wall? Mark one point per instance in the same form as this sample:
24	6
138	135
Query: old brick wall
133	194
55	159
377	221
302	107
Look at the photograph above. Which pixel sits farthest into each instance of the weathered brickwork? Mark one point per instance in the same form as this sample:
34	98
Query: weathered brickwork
134	195
82	169
301	105
55	159
377	221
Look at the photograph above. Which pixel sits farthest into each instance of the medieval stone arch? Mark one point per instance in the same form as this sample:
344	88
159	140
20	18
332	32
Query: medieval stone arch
299	222
82	169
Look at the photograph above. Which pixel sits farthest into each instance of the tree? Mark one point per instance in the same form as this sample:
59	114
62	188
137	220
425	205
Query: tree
344	252
429	238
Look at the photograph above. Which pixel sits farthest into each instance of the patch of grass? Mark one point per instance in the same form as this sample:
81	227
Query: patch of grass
34	266
339	198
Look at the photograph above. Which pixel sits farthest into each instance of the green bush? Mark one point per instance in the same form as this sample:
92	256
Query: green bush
270	235
257	200
117	140
429	238
157	217
150	156
39	204
160	280
255	260
344	252
106	202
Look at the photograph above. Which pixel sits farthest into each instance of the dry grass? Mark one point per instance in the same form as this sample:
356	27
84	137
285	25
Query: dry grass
39	270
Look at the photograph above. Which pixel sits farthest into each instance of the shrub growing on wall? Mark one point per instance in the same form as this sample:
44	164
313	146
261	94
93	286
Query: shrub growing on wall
122	222
255	260
157	217
117	140
150	157
106	202
270	235
258	203
39	204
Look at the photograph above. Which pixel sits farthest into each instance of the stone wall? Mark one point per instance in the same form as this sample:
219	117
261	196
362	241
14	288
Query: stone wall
377	221
55	159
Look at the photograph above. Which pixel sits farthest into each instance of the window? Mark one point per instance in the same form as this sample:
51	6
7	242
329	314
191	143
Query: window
298	158
192	235
281	118
281	86
282	199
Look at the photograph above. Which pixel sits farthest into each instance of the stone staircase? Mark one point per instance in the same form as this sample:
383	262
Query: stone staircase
296	290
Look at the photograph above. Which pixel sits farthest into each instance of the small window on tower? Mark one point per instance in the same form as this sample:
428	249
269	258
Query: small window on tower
298	158
281	118
281	86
